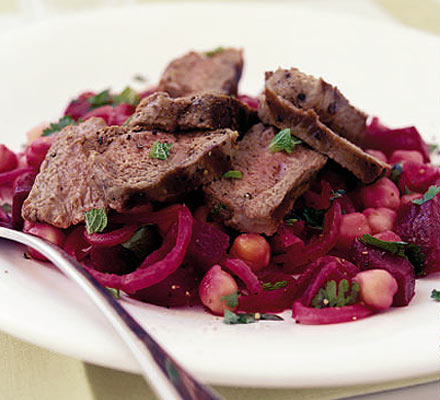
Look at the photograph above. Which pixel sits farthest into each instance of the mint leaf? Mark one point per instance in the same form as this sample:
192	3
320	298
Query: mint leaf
58	126
101	99
96	220
128	95
160	150
283	141
231	300
433	191
231	318
233	174
215	51
435	295
396	171
412	252
336	295
114	292
274	286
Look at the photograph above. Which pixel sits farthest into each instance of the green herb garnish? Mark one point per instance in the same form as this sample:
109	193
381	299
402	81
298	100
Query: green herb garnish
410	251
232	318
274	286
58	126
96	220
114	292
336	295
432	147
160	150
101	99
128	96
233	174
291	221
7	208
217	209
217	50
283	141
140	242
313	217
336	194
231	300
433	191
396	171
435	295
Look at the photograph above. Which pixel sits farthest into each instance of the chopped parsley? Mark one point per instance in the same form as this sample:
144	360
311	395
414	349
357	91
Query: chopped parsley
128	96
160	150
432	147
410	251
433	191
284	141
231	300
96	220
274	286
217	209
231	318
101	99
336	295
396	171
435	295
58	126
217	50
336	194
312	217
114	292
291	221
233	174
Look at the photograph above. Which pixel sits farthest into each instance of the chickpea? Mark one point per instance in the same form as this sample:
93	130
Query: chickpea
253	249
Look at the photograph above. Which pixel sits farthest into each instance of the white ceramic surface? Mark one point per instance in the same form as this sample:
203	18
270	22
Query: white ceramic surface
388	71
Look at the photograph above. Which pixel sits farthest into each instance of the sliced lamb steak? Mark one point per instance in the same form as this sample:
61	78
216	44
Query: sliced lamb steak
305	124
216	72
203	111
271	182
91	166
307	92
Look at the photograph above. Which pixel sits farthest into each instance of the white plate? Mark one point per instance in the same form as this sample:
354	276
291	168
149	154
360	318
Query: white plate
391	72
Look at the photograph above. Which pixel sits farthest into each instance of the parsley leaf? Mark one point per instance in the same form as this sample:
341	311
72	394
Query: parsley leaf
433	191
274	286
313	217
432	147
58	126
96	220
231	300
160	150
231	318
217	50
217	209
233	174
101	99
336	194
410	251
128	95
396	171
435	295
283	141
336	295
114	292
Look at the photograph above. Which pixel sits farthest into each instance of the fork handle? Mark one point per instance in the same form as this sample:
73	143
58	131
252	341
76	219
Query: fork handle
166	377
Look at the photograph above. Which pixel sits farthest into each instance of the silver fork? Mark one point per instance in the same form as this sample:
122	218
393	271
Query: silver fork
166	377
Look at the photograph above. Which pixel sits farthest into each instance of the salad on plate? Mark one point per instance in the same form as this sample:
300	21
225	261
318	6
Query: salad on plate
191	193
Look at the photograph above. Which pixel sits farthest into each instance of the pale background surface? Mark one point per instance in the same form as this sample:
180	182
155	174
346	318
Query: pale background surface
30	373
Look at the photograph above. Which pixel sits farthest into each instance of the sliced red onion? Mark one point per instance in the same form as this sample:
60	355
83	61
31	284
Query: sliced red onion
244	272
112	238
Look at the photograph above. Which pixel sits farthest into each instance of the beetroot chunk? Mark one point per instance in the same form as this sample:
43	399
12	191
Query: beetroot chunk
420	224
367	257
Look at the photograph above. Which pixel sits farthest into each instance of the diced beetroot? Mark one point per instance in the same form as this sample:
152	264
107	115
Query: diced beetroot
270	301
252	102
178	290
329	315
406	155
8	159
7	178
420	224
406	198
21	189
321	200
208	245
79	107
368	257
380	219
75	243
111	115
418	177
352	226
382	193
380	155
387	140
285	238
37	150
104	112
